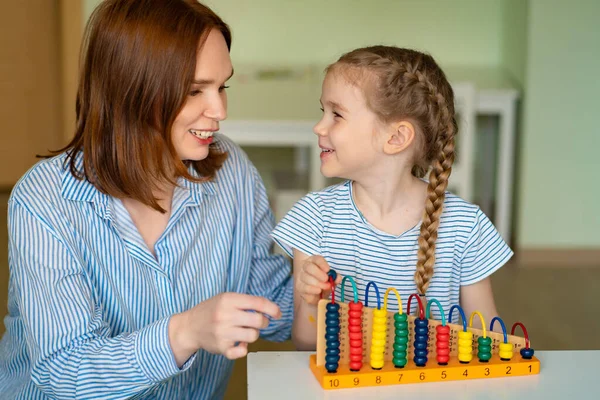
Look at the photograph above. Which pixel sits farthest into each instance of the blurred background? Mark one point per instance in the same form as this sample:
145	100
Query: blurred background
525	74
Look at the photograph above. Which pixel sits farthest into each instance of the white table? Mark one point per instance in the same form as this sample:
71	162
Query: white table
564	375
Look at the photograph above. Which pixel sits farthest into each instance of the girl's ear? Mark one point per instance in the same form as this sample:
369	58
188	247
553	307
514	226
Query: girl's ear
401	136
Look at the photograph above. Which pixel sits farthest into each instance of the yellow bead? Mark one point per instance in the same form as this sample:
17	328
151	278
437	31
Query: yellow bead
465	335
381	335
505	350
379	321
465	357
379	313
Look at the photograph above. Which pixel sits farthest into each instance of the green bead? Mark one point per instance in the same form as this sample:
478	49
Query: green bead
399	354
401	339
400	317
400	347
484	341
399	362
484	349
401	325
401	333
484	356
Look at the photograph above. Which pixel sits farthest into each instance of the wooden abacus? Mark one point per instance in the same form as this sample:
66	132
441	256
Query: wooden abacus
362	346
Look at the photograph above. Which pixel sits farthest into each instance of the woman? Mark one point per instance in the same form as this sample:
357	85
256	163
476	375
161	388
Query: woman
140	253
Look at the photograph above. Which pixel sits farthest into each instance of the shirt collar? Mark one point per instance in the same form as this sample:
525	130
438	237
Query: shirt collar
83	190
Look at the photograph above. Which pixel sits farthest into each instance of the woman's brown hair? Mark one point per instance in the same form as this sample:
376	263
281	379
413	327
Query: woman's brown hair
403	84
138	63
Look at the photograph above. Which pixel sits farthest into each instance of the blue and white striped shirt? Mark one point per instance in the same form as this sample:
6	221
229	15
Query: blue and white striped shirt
329	224
89	304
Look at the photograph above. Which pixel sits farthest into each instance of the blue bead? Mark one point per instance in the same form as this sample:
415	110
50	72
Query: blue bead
332	274
332	315
332	322
332	336
420	323
422	331
331	367
332	359
420	353
333	351
421	338
332	306
420	345
527	353
333	344
332	329
420	361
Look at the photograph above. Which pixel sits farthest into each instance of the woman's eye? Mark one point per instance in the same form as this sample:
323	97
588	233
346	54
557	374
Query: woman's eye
195	93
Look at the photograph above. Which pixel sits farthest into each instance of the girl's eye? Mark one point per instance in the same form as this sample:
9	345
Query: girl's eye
223	88
322	110
337	115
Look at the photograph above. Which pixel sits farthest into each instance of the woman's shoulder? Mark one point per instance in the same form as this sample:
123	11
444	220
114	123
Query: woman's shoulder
42	181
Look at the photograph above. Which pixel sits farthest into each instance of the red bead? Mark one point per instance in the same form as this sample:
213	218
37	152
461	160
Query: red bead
355	328
441	329
355	335
356	350
356	343
442	338
355	366
356	357
355	314
442	344
442	359
354	321
443	351
355	306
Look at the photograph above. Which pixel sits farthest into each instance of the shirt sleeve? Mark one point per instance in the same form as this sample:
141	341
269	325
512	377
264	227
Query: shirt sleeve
270	275
485	251
70	347
302	227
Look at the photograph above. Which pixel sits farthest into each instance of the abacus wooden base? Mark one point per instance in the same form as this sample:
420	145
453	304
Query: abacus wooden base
432	372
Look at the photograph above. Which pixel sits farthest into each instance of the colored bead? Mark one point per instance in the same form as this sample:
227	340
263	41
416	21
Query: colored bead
484	348
505	351
442	344
378	338
465	346
527	353
355	335
332	337
420	343
332	274
400	355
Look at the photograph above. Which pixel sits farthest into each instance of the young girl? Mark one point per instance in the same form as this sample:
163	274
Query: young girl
388	117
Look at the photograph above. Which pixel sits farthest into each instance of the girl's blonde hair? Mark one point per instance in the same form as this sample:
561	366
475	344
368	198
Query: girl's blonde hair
403	84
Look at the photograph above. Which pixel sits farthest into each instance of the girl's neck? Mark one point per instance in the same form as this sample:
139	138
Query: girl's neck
391	205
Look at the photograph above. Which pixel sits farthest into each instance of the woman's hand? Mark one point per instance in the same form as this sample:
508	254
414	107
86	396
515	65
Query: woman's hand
223	324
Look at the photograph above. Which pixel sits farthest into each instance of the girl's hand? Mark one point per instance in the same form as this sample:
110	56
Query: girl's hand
312	279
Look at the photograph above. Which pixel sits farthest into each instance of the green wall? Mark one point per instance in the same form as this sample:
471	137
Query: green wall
548	48
464	32
559	191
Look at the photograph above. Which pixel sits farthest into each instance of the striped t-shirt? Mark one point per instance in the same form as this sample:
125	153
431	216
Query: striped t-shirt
329	224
